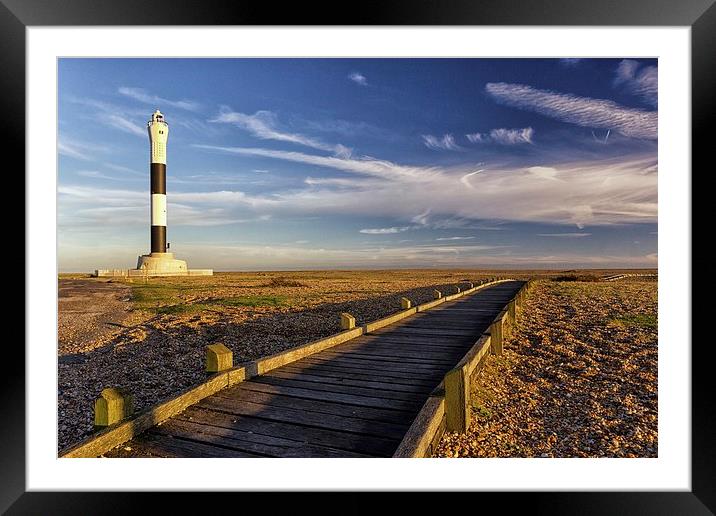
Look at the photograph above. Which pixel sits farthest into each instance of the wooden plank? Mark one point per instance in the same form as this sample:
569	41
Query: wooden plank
373	383
340	389
380	323
409	374
153	445
364	364
457	400
423	345
361	375
337	397
419	436
323	407
386	357
370	445
123	431
249	442
285	357
304	417
397	353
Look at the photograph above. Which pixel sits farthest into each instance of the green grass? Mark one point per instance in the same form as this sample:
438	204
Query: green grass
167	299
481	411
637	320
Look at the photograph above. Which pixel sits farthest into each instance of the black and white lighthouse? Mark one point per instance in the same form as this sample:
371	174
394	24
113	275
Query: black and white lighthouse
158	134
159	262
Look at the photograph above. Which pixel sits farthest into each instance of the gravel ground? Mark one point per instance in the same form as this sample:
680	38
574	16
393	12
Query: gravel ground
151	338
578	378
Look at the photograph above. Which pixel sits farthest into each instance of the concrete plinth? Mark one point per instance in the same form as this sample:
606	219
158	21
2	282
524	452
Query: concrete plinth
164	263
155	264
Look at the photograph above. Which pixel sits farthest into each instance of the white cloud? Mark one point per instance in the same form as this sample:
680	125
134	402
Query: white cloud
263	124
503	136
363	165
126	125
454	238
70	149
446	142
358	78
384	231
564	235
642	81
156	101
583	111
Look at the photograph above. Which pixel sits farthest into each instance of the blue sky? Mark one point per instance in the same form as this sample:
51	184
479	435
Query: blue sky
362	163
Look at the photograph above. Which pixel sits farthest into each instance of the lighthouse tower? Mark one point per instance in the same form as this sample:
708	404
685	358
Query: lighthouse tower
159	261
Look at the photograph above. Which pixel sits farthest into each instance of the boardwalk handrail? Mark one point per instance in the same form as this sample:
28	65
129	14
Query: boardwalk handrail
448	406
123	431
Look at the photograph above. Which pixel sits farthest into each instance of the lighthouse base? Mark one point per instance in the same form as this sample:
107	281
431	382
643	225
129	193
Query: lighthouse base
162	264
155	264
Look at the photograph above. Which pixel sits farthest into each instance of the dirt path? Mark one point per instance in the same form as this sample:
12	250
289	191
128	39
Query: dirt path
90	314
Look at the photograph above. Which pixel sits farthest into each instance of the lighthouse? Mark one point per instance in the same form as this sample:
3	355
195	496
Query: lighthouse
158	135
158	262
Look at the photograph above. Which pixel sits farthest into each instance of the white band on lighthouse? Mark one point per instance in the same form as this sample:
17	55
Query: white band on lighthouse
159	210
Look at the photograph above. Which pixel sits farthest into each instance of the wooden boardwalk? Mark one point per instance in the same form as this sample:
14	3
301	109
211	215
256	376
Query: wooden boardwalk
356	399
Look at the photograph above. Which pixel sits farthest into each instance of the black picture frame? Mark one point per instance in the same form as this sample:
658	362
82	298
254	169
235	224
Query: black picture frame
700	15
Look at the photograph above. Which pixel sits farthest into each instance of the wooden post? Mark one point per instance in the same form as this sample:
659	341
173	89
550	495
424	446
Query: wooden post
437	294
112	406
348	322
405	303
457	401
496	337
218	358
511	309
457	289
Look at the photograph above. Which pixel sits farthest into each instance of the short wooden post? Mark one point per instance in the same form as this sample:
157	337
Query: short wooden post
348	322
470	285
457	400
218	358
112	406
437	294
457	289
511	309
496	336
405	303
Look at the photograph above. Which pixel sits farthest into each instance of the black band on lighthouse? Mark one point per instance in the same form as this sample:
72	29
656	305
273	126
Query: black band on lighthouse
159	239
158	173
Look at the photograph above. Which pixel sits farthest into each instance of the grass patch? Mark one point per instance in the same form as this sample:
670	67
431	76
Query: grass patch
637	320
481	411
167	301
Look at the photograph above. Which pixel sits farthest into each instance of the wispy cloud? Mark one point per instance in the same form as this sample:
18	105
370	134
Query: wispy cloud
454	238
384	231
503	136
358	78
642	81
363	165
583	111
564	235
570	62
446	142
264	125
158	102
126	125
70	149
